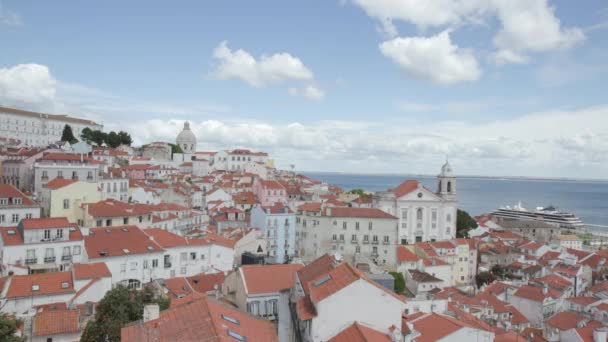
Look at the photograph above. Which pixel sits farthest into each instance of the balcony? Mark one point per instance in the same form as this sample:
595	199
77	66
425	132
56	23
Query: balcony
375	242
365	242
340	241
386	242
66	258
49	259
31	261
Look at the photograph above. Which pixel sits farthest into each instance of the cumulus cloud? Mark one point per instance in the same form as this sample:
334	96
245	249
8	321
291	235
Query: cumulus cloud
28	85
309	92
526	26
240	64
434	58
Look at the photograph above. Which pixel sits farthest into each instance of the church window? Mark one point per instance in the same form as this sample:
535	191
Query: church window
449	186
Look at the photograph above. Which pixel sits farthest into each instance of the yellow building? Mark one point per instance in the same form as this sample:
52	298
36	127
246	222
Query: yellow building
63	197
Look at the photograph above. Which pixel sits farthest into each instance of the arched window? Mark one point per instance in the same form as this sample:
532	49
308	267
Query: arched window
440	189
419	214
449	186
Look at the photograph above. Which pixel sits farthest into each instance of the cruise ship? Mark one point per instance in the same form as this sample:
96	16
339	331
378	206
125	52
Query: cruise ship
548	215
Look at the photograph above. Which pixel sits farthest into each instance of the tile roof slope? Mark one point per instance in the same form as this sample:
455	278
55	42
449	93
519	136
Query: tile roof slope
164	238
114	208
113	241
260	279
305	309
357	212
58	183
534	293
91	270
405	255
201	320
357	332
405	188
434	327
318	267
55	322
45	223
205	282
564	320
7	190
48	284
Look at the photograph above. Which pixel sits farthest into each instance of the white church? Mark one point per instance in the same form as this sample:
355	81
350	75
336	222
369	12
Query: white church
424	215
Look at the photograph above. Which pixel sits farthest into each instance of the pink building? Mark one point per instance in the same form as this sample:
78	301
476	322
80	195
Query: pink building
269	192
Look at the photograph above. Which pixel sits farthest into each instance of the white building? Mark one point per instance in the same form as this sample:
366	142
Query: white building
15	205
65	165
37	245
186	140
369	232
423	215
39	129
278	224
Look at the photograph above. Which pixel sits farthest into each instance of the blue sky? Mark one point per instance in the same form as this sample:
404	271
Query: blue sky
350	85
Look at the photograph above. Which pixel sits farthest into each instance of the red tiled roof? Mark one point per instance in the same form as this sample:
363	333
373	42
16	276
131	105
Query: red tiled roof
564	320
306	310
48	284
357	212
434	327
58	183
271	184
318	267
203	283
405	255
313	206
259	279
534	293
201	320
118	241
582	300
90	271
45	223
114	208
55	322
165	239
405	188
9	191
443	244
360	333
554	281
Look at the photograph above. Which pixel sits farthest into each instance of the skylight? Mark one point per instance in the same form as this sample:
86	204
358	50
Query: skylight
125	229
11	232
236	336
230	319
35	287
108	231
126	251
322	281
150	248
65	285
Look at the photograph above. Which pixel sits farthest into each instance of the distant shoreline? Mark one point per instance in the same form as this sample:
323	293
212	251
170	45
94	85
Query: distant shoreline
493	178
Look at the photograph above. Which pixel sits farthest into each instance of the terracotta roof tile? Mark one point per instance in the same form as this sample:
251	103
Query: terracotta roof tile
305	309
201	320
45	223
91	270
318	267
50	283
9	191
56	322
118	241
58	183
360	333
564	320
405	255
260	279
405	188
357	212
165	239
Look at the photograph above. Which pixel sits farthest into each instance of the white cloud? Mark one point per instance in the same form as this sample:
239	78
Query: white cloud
309	92
28	85
446	107
434	58
527	26
240	64
8	17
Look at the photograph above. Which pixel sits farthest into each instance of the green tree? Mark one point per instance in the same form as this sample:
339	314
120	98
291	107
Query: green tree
360	192
68	135
464	223
176	149
399	282
98	137
8	328
118	307
484	278
86	135
112	140
125	138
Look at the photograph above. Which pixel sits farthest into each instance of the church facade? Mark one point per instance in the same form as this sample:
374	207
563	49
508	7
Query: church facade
424	215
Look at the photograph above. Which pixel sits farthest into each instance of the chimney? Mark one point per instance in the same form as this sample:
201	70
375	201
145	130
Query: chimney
151	312
545	289
600	334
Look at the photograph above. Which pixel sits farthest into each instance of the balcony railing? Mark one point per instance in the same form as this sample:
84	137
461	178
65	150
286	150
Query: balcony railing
31	261
375	242
49	259
366	241
66	257
385	242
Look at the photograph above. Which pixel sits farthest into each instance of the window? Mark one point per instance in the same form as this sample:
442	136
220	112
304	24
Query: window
335	237
419	214
193	256
253	307
125	220
154	263
344	225
133	266
47	234
404	214
375	238
183	256
59	174
31	254
74	175
353	238
98	223
76	250
386	239
15	218
369	225
448	217
357	249
341	237
2	218
27	216
45	175
357	225
108	222
90	175
365	238
59	233
141	219
146	262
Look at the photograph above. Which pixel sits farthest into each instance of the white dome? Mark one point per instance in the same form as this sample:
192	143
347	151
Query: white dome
186	139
